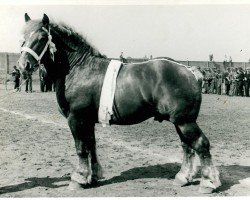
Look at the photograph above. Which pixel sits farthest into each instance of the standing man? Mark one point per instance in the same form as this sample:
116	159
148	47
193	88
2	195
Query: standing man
43	78
207	81
232	78
247	81
227	81
121	57
16	75
219	82
239	80
28	82
212	89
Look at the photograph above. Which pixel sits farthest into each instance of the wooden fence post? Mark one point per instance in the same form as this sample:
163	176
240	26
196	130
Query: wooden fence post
7	62
6	68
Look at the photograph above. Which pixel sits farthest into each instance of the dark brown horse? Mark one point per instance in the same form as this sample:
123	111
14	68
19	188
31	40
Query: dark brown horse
158	88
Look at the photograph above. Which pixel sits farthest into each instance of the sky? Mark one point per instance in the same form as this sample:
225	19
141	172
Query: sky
182	32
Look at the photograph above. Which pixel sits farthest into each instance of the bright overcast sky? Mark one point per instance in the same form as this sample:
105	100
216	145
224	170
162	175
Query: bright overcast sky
182	32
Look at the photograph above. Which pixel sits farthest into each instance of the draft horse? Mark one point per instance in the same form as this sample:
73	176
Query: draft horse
161	88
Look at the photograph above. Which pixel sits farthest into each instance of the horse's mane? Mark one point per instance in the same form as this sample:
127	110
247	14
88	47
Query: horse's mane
67	34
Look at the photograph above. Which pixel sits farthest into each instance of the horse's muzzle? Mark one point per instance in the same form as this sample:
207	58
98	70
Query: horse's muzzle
23	65
25	68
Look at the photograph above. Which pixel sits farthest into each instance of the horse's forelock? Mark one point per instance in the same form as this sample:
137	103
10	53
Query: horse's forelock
30	26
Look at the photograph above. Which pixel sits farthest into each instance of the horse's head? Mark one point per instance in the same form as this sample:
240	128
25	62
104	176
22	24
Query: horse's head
37	42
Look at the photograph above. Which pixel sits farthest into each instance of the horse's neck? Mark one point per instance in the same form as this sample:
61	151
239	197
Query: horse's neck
76	58
75	53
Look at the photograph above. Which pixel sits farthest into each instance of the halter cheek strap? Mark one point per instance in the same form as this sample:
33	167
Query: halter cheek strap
49	44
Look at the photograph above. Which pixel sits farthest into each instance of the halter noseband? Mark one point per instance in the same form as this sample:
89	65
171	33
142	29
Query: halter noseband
50	44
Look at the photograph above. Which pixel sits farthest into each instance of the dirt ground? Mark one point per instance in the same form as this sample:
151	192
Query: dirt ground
37	151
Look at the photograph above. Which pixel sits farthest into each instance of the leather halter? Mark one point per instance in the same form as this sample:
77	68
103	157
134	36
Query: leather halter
49	44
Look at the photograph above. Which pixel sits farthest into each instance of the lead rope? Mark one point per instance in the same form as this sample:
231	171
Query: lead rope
13	92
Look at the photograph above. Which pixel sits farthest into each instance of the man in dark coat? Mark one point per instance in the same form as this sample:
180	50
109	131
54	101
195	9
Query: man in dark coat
28	82
247	81
239	80
43	78
219	82
16	76
207	80
227	81
121	57
213	83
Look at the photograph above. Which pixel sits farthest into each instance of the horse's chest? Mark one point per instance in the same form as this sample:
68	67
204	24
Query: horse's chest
79	91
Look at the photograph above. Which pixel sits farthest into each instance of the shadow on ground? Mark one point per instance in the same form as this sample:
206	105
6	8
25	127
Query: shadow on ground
166	171
33	182
230	175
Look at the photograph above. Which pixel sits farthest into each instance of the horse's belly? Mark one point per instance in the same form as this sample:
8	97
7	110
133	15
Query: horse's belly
129	118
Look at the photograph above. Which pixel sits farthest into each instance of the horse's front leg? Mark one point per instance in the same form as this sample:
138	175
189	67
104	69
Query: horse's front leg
88	169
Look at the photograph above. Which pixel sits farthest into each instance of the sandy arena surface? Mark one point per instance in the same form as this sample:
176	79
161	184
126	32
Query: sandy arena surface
37	153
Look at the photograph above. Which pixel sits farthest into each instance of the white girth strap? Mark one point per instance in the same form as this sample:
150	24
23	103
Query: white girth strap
108	92
49	44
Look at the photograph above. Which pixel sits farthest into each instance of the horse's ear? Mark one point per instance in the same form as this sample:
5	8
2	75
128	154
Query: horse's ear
26	17
45	20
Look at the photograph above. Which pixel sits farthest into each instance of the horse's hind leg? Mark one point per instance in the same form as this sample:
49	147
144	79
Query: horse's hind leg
188	167
88	168
191	134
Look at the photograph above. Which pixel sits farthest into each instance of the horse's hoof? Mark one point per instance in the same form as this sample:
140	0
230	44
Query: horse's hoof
206	186
73	185
217	183
97	171
80	178
180	180
206	190
89	180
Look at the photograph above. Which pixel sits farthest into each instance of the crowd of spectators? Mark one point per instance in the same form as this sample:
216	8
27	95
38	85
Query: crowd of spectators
232	82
